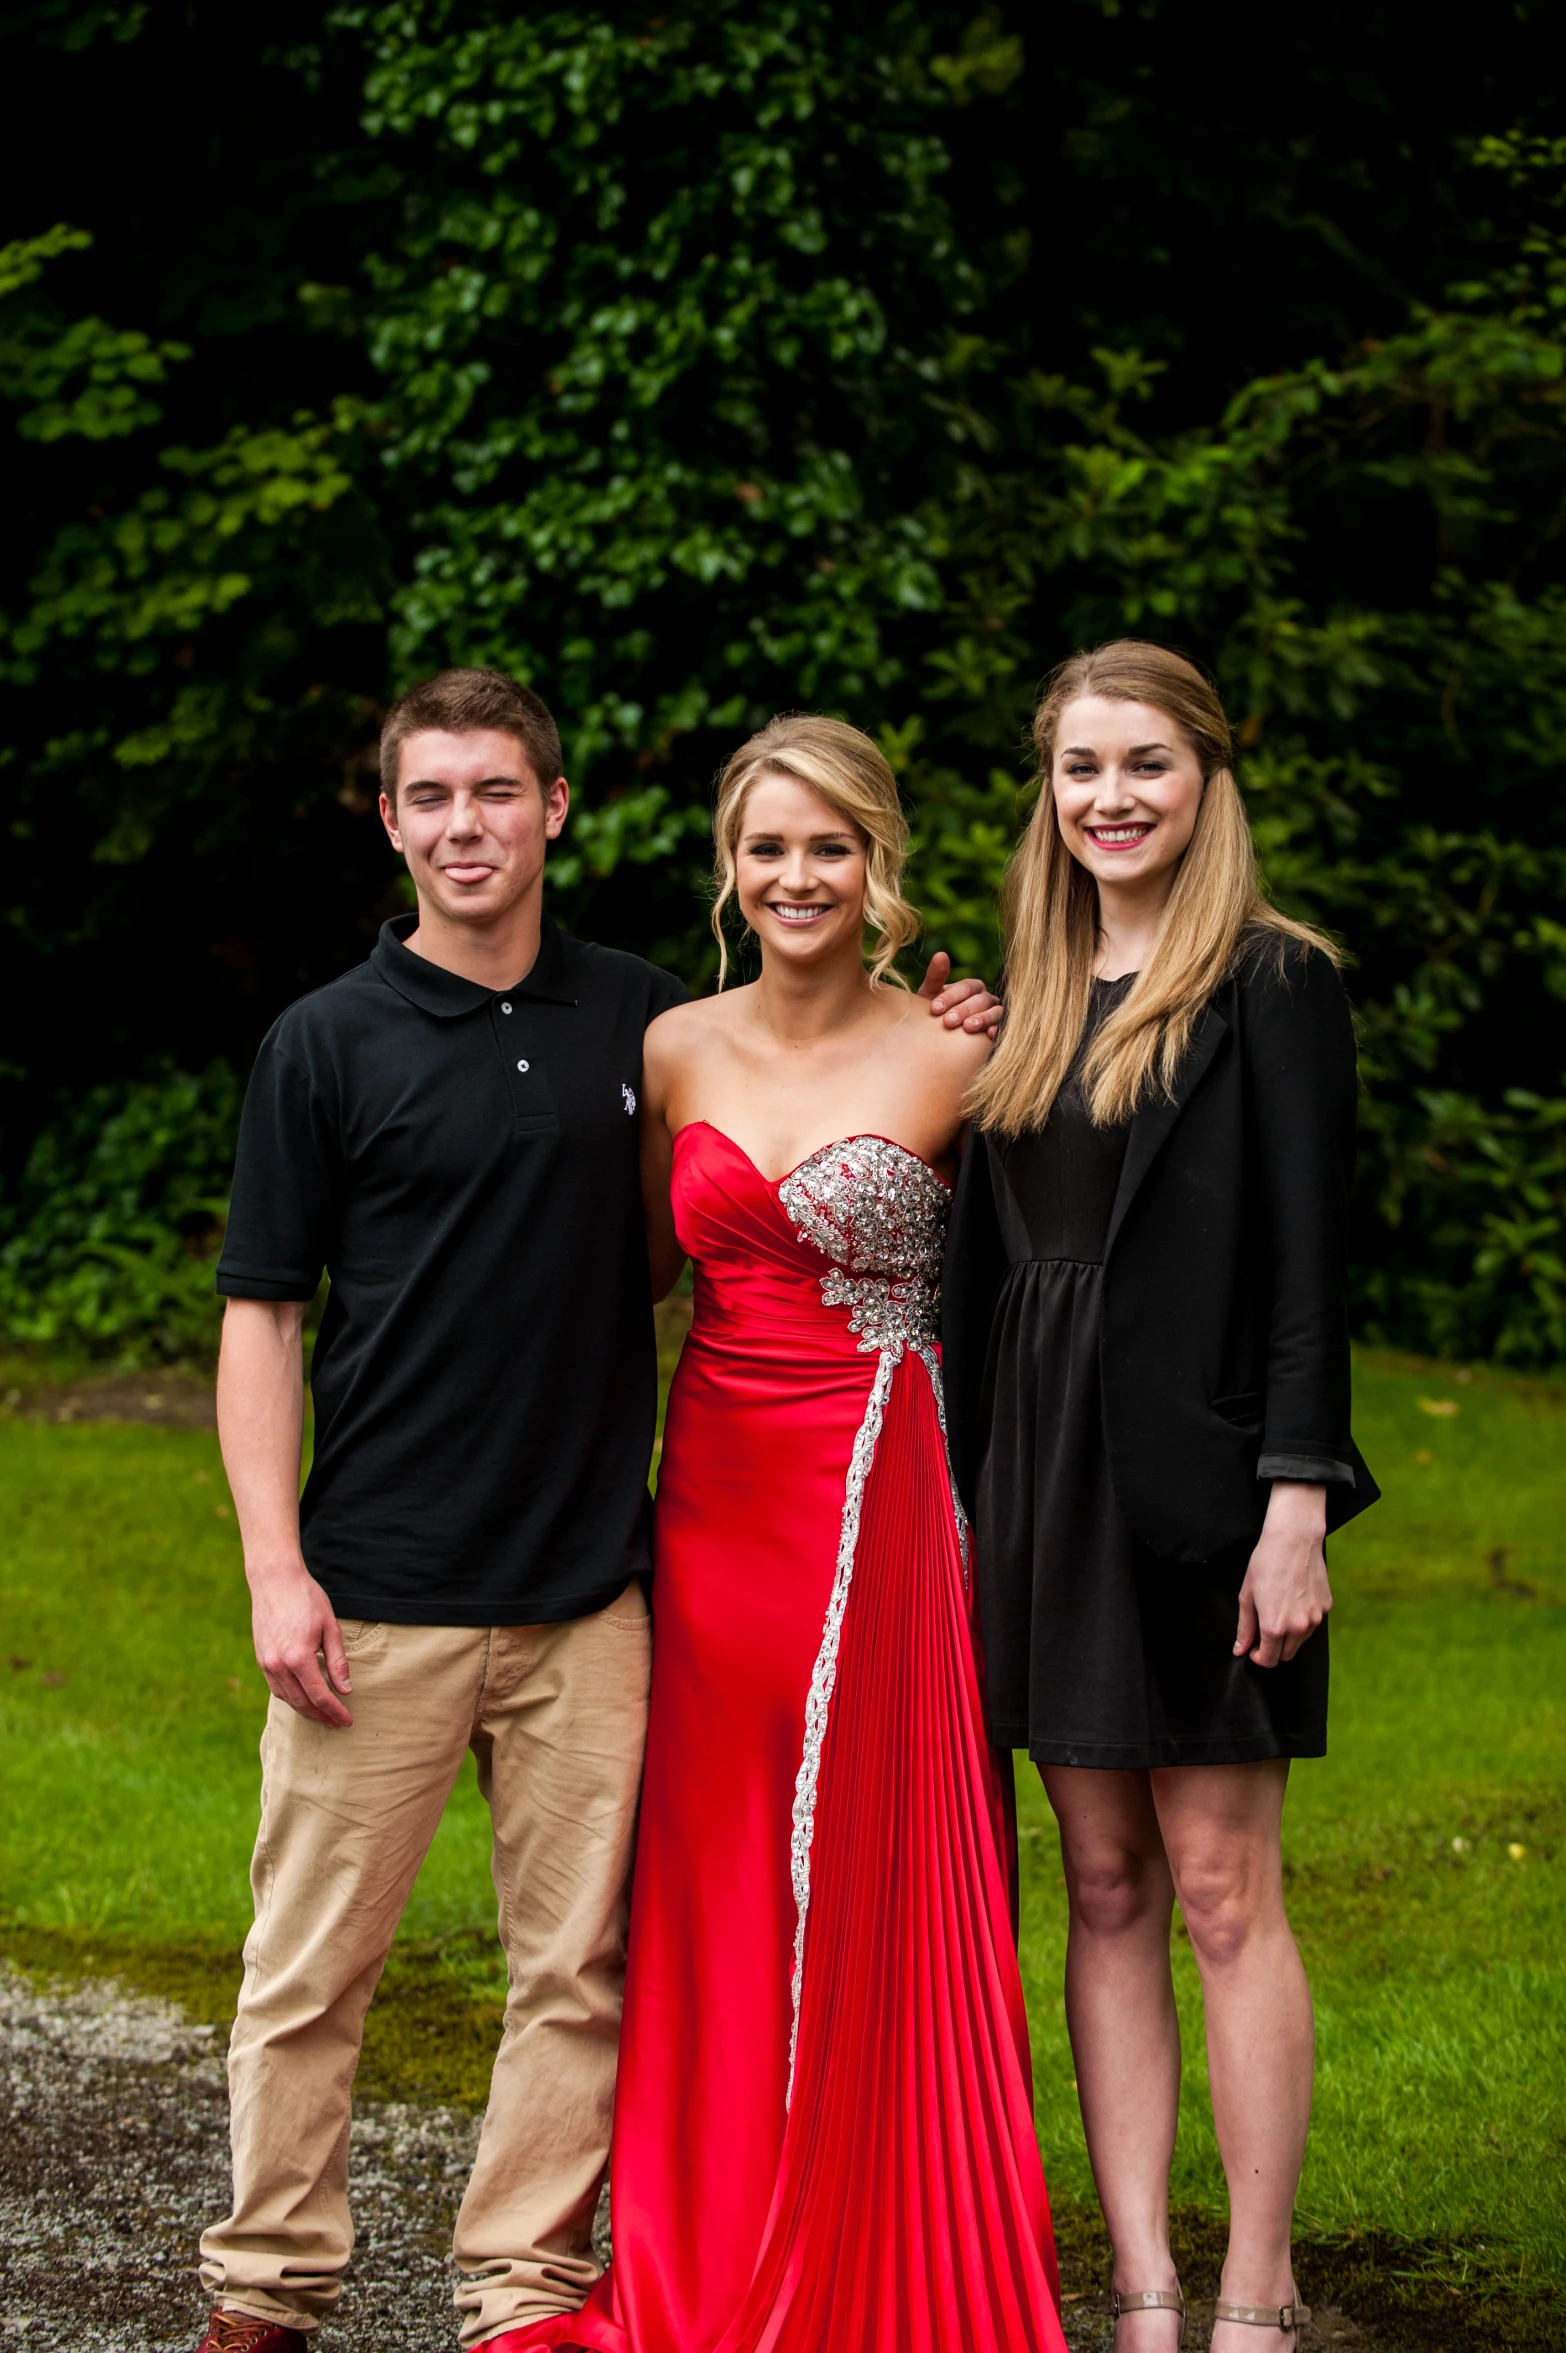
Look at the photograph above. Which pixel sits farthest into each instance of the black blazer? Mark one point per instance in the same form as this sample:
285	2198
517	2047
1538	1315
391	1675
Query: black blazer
1224	1346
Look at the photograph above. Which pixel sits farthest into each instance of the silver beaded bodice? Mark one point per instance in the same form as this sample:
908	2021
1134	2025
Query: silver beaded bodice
879	1213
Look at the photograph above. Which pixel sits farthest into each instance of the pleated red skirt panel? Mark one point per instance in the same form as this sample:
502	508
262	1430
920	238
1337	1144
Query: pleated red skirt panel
891	2199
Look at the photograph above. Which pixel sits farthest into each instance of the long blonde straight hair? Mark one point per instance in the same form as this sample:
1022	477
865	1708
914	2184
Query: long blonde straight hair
1049	914
845	769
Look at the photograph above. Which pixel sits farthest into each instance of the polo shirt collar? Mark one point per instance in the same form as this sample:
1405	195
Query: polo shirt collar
551	978
446	994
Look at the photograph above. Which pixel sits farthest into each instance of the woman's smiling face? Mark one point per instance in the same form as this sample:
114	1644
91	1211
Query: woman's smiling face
799	870
1128	785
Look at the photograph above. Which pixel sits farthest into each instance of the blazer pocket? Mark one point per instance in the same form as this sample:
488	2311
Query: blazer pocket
1246	1410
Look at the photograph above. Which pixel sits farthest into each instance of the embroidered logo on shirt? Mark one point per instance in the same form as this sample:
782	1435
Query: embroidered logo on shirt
629	1093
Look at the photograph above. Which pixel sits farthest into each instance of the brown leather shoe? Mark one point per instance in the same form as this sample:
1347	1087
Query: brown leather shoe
241	2332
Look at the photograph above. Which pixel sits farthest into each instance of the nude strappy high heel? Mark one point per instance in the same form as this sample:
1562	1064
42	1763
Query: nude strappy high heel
1279	2316
1126	2300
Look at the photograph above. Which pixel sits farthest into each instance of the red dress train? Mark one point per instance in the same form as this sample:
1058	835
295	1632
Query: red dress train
823	2128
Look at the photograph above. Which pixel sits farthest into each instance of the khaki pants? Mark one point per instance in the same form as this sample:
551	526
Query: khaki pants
556	1716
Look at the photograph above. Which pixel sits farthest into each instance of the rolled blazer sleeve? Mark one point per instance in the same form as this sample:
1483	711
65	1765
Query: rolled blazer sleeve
1300	1063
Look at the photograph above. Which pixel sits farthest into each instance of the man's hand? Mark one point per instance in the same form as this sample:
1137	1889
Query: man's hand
295	1626
1286	1594
962	1004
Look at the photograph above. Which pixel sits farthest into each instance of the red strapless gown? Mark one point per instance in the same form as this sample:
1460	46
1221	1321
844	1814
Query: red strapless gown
823	2135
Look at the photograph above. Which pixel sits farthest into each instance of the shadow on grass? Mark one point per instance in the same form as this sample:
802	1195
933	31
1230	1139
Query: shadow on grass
430	2038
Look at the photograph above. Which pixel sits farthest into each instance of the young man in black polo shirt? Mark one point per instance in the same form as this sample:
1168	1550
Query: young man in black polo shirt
450	1130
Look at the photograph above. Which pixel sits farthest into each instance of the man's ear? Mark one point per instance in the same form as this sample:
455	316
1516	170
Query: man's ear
389	820
557	801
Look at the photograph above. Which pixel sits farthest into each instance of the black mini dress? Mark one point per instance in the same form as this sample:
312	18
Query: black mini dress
1096	1651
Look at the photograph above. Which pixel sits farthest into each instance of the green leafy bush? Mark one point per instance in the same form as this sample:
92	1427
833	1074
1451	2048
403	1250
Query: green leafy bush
108	1244
863	357
1475	1207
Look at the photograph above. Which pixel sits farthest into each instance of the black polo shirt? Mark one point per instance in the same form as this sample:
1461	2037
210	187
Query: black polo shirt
464	1167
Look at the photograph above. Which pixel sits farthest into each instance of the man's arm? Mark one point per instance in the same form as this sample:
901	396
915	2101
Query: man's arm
665	1258
260	1406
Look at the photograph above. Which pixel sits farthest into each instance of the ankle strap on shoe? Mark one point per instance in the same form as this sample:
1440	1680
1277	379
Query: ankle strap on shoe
1145	2300
1281	2316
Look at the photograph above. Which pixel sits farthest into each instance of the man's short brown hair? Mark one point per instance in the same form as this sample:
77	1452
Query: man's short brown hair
460	702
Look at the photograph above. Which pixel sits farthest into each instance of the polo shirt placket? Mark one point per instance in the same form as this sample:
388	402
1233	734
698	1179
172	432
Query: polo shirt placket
523	1052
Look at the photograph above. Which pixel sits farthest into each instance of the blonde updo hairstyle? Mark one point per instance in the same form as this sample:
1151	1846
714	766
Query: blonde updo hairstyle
1049	914
842	767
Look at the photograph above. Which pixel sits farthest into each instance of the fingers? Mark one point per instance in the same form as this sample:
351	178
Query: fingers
968	1004
323	1702
960	1004
1276	1644
1262	1644
934	980
1249	1626
1299	1631
292	1693
337	1669
301	1685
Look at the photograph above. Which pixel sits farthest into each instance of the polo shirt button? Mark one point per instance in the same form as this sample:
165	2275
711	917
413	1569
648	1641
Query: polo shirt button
521	1066
505	1008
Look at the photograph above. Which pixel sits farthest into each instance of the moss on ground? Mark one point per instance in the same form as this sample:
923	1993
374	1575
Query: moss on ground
430	2035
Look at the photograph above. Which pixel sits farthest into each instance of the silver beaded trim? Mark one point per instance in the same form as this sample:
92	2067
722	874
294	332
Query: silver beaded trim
932	1365
823	1678
879	1213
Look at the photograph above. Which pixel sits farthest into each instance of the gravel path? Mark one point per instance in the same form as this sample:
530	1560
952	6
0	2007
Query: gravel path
114	2154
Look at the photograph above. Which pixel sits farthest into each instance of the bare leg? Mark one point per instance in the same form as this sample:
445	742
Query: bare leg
1222	1831
1125	2036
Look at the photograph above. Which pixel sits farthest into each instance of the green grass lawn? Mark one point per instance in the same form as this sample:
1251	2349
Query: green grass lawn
1425	1852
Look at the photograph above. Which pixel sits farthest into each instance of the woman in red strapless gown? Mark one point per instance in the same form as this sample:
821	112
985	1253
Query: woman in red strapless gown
823	2136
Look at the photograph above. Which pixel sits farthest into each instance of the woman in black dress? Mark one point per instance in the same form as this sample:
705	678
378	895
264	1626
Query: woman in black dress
1147	1361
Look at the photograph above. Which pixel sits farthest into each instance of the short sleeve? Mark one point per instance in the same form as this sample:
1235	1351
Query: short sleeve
283	1214
666	990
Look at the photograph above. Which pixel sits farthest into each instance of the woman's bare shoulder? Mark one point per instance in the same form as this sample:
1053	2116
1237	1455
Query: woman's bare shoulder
942	1052
691	1029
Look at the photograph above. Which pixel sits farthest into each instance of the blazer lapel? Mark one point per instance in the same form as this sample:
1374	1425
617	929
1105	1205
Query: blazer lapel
1152	1122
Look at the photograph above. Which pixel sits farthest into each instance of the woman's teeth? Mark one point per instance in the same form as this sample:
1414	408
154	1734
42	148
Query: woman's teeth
800	914
1116	836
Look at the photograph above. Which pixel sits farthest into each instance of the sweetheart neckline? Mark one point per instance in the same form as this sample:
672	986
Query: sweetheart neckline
774	1184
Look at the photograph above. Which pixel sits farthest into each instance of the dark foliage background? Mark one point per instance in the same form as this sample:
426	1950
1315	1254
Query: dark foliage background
697	365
